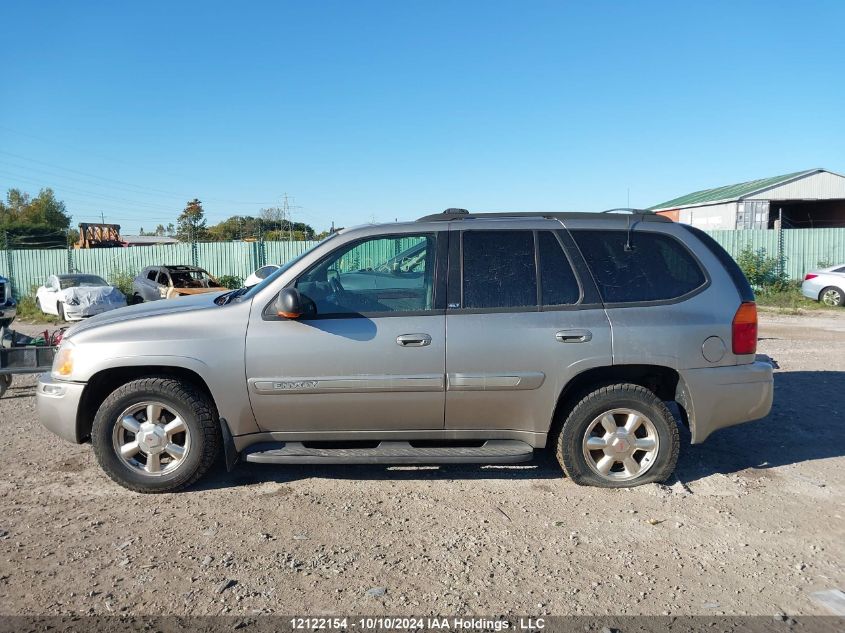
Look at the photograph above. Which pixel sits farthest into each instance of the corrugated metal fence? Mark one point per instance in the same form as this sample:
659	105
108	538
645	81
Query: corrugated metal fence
803	250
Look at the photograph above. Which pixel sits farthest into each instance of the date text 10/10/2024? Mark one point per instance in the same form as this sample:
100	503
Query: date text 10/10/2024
412	623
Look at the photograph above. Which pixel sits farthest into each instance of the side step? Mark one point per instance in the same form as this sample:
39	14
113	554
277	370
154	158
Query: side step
490	452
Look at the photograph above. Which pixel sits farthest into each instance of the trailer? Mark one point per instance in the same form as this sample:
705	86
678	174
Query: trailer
29	358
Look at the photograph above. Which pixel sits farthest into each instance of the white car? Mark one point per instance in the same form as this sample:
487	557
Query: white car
826	285
76	296
260	275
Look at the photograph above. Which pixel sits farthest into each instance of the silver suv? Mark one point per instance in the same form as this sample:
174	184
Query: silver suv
457	338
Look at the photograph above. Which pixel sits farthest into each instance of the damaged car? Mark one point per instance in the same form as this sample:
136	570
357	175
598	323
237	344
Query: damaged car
166	282
76	296
8	307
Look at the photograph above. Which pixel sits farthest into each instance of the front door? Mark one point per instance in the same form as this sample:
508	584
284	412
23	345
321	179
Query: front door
371	358
521	324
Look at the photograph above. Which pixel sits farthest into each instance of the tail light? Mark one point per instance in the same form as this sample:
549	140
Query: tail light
809	276
744	329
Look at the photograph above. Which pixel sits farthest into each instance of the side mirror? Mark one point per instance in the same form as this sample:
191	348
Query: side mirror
289	304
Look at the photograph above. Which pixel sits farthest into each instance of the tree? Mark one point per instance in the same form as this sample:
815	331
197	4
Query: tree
38	221
240	227
190	225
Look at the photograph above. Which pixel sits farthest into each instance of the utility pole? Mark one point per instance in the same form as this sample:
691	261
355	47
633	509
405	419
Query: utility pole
103	217
286	215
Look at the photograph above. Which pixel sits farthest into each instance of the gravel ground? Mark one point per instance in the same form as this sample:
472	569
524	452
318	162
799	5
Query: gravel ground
752	525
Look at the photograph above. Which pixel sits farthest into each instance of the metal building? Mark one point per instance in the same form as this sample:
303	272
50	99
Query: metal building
814	198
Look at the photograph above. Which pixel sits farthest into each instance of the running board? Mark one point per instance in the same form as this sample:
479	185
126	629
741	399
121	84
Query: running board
490	452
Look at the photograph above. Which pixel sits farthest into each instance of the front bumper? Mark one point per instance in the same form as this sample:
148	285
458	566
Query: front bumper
718	397
57	403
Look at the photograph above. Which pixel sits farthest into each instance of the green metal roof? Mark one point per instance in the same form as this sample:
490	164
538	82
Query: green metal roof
730	192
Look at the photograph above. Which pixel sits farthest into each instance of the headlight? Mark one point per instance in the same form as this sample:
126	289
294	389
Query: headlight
73	301
63	362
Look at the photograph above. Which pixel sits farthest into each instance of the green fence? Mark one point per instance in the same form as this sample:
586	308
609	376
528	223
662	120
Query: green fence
803	249
27	268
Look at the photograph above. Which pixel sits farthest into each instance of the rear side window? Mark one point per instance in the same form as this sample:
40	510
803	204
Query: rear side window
152	275
657	267
557	280
499	269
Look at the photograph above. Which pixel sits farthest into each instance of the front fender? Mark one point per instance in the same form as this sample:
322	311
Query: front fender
228	392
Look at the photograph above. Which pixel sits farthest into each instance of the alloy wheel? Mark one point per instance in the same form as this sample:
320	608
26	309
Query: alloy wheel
831	297
621	444
151	438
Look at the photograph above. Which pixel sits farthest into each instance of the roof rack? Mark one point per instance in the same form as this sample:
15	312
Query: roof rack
462	214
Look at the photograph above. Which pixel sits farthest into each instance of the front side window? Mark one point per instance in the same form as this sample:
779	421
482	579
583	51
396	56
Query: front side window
653	267
152	275
498	269
378	275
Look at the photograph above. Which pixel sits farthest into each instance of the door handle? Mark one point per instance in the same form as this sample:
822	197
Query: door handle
574	336
413	340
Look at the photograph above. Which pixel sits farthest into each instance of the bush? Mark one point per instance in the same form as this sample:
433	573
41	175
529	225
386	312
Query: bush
122	280
763	272
232	282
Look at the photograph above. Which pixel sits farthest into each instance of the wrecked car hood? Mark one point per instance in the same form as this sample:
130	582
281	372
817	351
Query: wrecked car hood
87	296
178	292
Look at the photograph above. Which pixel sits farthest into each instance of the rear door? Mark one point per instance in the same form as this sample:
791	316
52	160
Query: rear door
523	318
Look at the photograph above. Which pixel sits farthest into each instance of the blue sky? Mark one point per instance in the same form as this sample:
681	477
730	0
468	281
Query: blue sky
385	110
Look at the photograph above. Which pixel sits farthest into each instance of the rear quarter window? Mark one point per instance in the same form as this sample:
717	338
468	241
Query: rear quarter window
658	267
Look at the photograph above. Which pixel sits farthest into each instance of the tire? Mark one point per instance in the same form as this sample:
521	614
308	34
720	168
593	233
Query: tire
5	383
613	405
135	299
832	296
4	323
38	305
200	440
60	309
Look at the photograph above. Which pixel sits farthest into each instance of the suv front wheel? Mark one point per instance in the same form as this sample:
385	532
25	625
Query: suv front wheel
618	436
156	434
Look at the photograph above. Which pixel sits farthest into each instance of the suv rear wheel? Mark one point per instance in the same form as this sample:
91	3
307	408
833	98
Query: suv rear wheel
618	436
156	434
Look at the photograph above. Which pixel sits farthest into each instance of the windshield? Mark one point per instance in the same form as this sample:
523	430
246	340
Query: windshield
84	281
269	280
192	279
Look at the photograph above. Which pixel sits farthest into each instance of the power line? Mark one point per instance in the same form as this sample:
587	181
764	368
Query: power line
112	160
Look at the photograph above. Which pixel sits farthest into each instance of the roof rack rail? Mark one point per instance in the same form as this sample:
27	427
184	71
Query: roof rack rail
462	214
630	210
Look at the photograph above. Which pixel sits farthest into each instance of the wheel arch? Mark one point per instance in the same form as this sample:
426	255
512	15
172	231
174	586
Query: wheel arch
665	382
105	381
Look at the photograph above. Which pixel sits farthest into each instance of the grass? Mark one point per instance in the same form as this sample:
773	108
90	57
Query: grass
29	312
789	301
